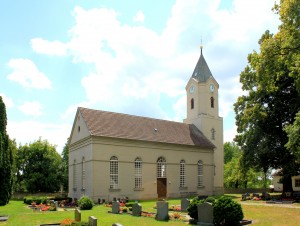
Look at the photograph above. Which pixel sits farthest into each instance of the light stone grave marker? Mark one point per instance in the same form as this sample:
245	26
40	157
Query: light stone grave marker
205	214
77	215
92	221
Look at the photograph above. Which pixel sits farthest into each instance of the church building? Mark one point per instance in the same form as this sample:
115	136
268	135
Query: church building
120	155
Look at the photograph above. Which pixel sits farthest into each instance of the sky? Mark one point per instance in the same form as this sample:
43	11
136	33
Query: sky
133	57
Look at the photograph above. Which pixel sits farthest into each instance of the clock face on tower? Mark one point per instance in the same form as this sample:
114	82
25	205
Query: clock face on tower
192	89
212	88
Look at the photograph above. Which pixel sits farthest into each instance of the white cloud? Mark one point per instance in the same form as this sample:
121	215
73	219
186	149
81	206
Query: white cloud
42	46
29	131
139	16
131	65
7	100
229	134
33	108
27	74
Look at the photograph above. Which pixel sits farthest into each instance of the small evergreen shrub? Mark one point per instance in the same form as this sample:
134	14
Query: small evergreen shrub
193	207
85	203
227	211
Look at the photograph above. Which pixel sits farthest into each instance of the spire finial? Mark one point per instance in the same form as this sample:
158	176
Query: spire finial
201	46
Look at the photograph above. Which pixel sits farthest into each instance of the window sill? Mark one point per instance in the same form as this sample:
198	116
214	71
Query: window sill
138	189
200	187
183	188
114	189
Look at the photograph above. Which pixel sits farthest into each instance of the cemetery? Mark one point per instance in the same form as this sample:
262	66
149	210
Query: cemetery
171	212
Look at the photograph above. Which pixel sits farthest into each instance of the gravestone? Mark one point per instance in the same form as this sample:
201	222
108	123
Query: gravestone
136	209
115	207
92	221
205	214
162	210
56	205
184	204
77	215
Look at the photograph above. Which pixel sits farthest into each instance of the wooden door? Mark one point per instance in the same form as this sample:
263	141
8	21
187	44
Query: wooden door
162	187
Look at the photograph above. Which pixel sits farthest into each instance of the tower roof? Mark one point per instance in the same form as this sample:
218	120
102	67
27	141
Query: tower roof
201	72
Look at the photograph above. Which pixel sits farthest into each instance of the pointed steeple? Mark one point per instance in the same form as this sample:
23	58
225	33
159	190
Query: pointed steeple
201	72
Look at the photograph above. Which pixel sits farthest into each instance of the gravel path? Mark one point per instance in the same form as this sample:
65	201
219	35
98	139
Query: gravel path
295	206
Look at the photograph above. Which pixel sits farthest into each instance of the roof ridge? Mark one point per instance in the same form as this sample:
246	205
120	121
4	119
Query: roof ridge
125	114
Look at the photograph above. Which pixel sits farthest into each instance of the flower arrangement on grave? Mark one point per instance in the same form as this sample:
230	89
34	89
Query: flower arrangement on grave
66	222
176	216
174	208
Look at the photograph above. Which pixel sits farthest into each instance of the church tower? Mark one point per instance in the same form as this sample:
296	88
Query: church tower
203	112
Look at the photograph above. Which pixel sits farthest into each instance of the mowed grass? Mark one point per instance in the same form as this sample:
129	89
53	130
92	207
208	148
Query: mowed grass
261	215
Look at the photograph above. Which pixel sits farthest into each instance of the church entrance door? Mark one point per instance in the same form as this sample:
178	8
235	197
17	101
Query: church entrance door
162	187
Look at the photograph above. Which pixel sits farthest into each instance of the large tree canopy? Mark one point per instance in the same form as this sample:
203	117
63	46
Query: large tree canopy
272	83
39	167
6	158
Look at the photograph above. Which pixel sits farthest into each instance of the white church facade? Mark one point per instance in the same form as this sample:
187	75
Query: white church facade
119	155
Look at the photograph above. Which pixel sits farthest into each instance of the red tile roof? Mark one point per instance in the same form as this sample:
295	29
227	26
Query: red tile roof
116	125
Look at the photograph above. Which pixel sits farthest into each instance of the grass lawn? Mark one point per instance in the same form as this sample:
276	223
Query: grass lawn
261	215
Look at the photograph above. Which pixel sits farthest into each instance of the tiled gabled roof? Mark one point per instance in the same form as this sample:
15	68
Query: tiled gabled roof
116	125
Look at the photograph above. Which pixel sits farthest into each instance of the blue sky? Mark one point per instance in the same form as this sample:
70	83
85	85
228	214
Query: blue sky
131	57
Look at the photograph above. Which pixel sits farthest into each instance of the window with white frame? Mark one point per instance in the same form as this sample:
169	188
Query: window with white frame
200	173
297	182
182	173
114	172
83	173
138	183
161	168
74	175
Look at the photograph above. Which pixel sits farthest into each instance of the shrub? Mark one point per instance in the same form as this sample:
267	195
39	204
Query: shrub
85	203
227	211
193	207
37	199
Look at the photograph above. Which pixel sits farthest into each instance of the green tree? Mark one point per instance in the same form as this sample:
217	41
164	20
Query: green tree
271	80
65	165
6	159
39	167
293	132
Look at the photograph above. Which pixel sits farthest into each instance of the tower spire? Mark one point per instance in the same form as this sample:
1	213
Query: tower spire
201	46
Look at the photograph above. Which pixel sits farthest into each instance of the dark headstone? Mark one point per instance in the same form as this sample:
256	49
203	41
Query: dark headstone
136	209
115	207
184	204
162	210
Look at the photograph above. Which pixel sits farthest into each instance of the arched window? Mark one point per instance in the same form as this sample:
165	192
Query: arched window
213	133
83	173
200	173
114	172
161	168
182	173
74	176
192	103
212	102
138	173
